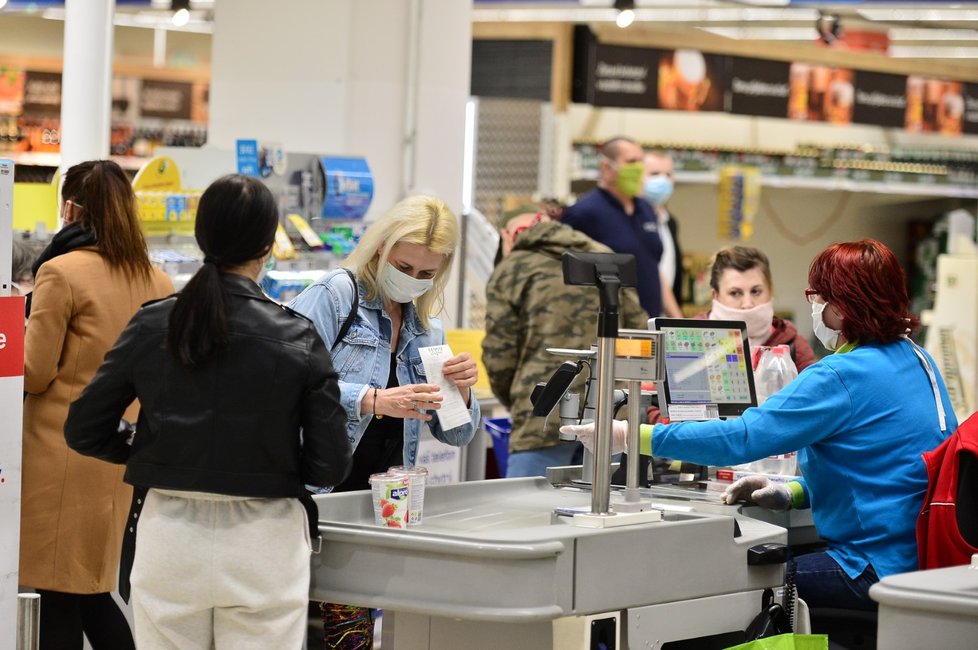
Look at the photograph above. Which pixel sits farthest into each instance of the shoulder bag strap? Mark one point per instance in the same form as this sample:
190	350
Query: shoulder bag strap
353	310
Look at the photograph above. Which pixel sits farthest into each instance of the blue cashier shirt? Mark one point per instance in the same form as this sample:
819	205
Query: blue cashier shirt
860	422
600	216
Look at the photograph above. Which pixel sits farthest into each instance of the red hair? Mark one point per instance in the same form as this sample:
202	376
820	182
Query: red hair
864	281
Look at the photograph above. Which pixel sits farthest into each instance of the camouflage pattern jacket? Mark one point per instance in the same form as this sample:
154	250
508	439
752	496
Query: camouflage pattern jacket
530	309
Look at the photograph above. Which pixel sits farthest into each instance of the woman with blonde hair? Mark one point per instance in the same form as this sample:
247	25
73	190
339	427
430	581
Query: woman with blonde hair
375	314
90	280
375	326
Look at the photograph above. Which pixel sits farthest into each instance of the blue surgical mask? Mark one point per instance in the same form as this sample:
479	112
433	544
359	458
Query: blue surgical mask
401	287
658	189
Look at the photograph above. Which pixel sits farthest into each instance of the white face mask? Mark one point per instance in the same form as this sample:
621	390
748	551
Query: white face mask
401	287
758	319
828	336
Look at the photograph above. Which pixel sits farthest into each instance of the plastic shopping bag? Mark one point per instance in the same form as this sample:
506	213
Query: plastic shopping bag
788	641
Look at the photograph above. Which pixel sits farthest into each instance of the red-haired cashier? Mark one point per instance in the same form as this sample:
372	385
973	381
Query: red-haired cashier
860	420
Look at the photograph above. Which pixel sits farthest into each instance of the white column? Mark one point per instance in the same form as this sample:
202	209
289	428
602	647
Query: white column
385	79
86	83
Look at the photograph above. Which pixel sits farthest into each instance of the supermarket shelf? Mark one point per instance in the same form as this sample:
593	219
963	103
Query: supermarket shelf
878	187
921	188
53	159
935	189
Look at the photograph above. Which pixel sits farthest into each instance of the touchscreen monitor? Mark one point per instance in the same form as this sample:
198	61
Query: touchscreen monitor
708	371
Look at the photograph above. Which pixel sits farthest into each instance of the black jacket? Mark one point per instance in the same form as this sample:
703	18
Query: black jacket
261	419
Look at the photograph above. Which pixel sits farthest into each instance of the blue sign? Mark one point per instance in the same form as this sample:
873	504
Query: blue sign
247	154
349	187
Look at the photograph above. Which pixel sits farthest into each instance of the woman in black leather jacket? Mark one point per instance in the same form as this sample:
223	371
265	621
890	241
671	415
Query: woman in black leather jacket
239	413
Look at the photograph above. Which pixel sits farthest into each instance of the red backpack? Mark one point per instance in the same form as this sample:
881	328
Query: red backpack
947	527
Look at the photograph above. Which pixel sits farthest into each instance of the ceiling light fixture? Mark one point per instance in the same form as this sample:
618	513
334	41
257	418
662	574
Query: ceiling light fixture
829	28
626	12
181	12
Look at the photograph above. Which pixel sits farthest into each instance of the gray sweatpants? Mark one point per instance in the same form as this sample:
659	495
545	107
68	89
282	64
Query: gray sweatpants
215	571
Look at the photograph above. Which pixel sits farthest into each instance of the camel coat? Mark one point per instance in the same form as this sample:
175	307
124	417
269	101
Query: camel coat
73	508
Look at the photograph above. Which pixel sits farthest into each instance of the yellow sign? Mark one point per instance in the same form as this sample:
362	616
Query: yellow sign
740	195
308	234
157	175
633	348
469	341
35	203
283	248
164	206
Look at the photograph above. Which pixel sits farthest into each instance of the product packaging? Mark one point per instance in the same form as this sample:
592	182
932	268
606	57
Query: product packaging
418	476
391	498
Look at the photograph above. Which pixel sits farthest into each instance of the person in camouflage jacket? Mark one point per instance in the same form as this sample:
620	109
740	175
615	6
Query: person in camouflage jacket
530	309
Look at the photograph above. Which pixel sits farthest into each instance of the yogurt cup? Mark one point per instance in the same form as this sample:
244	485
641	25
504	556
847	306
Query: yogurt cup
391	498
418	476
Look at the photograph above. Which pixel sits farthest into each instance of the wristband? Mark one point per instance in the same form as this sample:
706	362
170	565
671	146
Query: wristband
376	414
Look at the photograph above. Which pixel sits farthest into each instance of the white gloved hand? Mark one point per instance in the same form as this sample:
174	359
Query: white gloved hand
773	496
585	433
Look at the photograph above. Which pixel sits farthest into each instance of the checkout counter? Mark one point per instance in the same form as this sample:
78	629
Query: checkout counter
929	609
530	564
492	566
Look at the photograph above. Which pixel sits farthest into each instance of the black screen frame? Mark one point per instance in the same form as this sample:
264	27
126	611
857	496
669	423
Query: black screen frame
725	409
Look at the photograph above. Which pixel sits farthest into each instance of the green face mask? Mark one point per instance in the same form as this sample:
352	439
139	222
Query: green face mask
630	178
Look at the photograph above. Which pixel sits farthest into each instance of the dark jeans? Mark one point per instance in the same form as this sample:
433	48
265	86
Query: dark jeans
822	582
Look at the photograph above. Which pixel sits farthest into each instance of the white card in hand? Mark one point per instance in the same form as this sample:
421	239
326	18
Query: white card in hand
453	412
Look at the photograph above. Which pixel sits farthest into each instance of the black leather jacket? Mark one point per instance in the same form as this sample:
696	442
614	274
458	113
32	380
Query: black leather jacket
261	419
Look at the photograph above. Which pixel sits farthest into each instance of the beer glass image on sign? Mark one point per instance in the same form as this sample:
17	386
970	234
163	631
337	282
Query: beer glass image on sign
689	81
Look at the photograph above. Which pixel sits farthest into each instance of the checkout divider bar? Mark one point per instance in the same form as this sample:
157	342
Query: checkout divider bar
356	534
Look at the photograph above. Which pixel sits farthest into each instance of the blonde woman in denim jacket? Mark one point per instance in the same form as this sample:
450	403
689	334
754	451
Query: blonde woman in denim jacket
401	266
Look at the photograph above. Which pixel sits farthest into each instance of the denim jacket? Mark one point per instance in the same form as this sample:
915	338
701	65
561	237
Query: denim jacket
362	358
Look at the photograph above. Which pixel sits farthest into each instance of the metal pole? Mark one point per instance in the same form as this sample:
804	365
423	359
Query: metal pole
634	421
28	621
590	415
601	486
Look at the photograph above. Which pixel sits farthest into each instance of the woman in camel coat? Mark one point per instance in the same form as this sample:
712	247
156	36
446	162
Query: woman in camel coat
89	283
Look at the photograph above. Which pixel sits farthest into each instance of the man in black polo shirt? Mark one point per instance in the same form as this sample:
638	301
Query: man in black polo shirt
614	214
